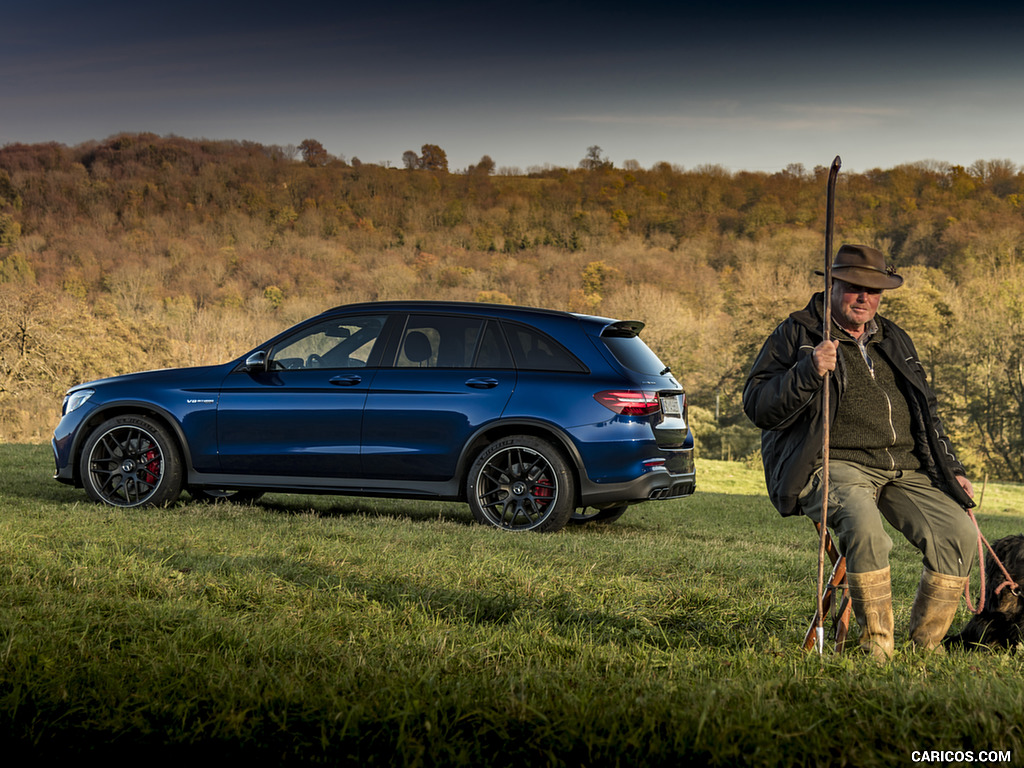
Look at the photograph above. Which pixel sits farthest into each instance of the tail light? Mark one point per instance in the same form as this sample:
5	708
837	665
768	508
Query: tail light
629	402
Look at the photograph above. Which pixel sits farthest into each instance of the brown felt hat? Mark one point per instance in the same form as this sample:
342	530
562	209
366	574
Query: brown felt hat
864	266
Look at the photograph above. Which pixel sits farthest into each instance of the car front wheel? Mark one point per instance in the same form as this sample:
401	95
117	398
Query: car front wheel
131	461
521	483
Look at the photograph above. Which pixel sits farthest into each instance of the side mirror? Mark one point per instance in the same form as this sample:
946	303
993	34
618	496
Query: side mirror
256	362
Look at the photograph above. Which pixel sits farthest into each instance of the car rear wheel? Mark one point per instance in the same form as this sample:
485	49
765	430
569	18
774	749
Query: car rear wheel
131	461
521	483
607	514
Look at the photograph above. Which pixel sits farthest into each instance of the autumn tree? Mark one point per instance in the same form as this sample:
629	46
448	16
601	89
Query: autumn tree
433	158
313	153
8	194
10	230
595	161
484	168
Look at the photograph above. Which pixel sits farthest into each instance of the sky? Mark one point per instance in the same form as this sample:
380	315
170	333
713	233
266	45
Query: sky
746	86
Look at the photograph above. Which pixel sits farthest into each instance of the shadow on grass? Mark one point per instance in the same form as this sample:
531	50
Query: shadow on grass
680	616
328	506
688	618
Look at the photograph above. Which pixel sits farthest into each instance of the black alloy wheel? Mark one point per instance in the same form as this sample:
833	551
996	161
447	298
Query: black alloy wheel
131	461
521	483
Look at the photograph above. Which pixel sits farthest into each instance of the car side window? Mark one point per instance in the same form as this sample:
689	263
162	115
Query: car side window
345	342
493	352
439	341
537	351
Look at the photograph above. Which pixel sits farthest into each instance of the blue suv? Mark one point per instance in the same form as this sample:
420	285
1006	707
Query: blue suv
535	418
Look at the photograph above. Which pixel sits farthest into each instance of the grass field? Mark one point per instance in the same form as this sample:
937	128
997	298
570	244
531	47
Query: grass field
324	629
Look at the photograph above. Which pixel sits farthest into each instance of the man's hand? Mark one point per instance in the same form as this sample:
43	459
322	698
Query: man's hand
824	357
966	485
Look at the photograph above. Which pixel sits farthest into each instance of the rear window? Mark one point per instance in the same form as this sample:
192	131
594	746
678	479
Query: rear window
634	354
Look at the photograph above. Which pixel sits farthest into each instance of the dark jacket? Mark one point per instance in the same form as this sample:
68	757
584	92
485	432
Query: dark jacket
783	397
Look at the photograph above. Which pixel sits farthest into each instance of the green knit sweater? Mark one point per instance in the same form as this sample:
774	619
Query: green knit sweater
872	423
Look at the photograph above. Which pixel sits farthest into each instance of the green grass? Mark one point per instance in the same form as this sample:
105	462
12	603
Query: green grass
326	629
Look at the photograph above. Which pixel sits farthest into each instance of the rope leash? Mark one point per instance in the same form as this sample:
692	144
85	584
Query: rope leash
1008	582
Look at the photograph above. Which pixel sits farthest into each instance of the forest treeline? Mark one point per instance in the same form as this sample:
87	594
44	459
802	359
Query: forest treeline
143	251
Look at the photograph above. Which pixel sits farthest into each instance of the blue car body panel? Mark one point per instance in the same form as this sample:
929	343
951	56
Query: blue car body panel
305	424
416	422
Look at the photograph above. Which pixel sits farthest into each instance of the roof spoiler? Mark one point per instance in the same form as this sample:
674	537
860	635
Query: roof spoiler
623	329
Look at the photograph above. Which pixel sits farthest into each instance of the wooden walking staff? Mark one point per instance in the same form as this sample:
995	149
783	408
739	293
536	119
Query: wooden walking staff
830	204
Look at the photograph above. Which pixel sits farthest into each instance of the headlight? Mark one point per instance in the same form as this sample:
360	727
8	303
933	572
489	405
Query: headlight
76	399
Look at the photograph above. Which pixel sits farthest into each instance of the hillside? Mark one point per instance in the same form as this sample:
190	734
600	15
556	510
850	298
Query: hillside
143	251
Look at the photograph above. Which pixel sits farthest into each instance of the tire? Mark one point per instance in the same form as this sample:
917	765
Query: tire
603	515
521	483
237	496
131	461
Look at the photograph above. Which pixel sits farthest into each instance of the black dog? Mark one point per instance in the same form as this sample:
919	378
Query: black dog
1001	622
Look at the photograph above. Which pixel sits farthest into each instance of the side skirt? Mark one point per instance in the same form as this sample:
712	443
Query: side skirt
447	490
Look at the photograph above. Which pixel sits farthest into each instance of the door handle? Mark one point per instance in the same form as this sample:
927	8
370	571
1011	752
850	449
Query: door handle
483	382
349	380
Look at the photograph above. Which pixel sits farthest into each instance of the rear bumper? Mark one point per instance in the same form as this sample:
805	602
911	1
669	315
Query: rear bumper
676	489
673	479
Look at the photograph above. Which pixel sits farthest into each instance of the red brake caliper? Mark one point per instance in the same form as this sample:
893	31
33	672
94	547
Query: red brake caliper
152	467
542	491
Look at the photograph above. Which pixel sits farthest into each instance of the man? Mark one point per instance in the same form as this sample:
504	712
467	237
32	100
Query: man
888	452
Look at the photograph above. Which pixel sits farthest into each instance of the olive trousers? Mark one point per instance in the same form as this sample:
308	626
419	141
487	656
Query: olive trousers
859	497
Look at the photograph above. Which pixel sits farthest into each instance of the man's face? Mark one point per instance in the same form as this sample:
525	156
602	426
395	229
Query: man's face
853	306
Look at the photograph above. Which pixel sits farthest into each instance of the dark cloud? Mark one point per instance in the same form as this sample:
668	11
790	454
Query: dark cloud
744	84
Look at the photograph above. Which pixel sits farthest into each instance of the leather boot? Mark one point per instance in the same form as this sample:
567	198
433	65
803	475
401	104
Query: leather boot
871	598
938	596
